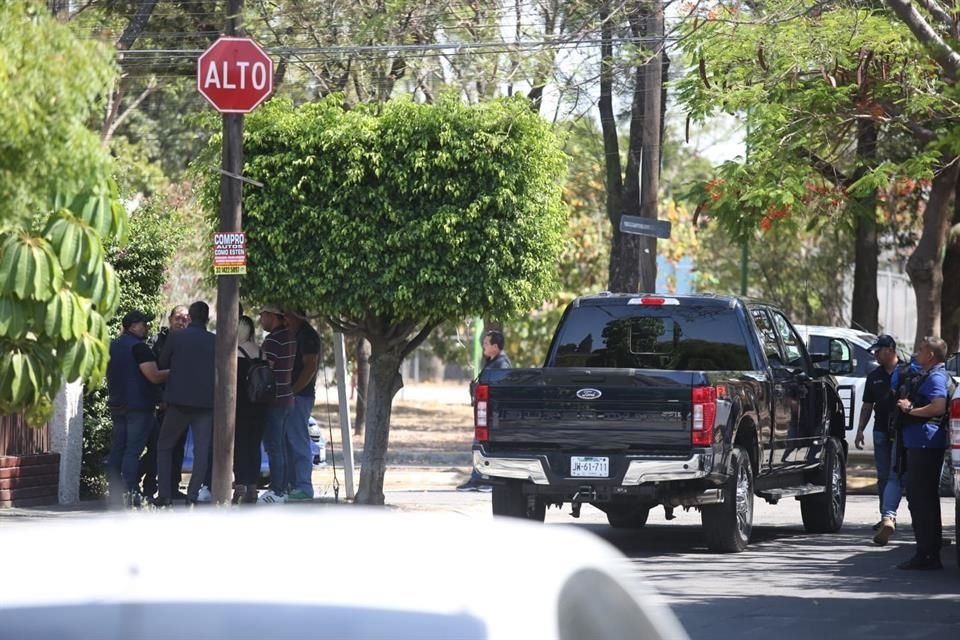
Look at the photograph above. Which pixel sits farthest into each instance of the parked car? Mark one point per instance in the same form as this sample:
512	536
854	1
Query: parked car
693	401
849	385
536	583
318	445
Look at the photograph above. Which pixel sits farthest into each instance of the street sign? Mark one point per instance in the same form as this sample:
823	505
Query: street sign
229	253
645	226
235	75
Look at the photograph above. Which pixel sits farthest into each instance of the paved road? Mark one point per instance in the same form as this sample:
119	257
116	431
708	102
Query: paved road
787	585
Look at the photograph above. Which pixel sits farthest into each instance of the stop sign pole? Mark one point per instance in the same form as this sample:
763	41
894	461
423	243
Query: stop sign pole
235	76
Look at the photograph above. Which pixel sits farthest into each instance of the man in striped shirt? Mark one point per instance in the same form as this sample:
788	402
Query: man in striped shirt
279	349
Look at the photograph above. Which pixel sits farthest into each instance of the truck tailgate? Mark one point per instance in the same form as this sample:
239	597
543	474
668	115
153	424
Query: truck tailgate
609	409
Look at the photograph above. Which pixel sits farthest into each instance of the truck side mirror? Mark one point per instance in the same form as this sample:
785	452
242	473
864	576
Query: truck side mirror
841	357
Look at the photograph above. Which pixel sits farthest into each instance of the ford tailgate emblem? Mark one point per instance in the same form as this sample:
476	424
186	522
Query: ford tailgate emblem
589	394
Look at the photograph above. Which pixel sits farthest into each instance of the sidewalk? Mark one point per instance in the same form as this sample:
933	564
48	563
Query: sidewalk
443	393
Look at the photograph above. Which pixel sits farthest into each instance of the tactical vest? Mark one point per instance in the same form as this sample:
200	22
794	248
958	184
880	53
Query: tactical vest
127	386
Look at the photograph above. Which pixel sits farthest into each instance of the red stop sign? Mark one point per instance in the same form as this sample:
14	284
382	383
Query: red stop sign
235	75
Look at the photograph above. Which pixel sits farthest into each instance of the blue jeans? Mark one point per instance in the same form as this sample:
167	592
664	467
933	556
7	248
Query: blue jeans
131	428
889	487
299	457
274	441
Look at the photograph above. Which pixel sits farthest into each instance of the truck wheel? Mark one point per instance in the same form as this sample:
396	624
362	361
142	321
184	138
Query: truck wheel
628	517
727	525
508	500
823	512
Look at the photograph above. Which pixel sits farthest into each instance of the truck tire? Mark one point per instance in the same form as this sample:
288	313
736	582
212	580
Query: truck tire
823	512
727	526
508	500
628	517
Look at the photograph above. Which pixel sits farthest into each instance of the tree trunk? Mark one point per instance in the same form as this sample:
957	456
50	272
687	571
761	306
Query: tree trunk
624	271
363	384
60	9
866	306
925	266
951	280
137	24
623	193
385	381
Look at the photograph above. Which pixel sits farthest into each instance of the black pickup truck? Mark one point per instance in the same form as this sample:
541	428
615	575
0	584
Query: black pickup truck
681	401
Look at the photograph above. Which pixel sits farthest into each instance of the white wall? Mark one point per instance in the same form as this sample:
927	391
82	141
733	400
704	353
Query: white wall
898	306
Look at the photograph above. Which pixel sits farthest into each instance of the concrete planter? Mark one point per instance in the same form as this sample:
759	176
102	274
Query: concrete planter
29	480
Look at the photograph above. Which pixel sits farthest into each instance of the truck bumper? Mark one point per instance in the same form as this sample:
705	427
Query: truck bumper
639	470
531	469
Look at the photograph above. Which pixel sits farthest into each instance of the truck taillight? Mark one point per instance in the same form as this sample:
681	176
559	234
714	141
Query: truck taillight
704	416
481	397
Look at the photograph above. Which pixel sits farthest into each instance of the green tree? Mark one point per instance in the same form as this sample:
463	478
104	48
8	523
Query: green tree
57	207
390	219
834	99
935	263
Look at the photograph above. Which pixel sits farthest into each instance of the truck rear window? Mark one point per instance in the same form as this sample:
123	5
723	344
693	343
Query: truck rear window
674	338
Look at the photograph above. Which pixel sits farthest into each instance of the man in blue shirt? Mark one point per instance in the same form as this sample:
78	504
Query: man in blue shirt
925	439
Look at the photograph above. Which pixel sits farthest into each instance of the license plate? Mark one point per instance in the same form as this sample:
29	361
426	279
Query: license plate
589	466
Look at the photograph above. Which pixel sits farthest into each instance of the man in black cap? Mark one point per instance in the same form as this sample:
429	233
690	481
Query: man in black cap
879	399
132	379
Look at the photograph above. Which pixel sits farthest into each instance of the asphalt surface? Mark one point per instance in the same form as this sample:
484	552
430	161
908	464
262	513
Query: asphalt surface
788	584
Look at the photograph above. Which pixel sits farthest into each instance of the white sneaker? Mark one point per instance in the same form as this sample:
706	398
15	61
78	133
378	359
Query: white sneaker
204	494
269	497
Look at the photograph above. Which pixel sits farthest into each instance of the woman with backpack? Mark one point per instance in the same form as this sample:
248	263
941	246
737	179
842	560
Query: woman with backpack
250	417
924	435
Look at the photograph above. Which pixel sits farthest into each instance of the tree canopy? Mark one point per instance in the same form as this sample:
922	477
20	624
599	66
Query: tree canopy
51	81
404	211
57	207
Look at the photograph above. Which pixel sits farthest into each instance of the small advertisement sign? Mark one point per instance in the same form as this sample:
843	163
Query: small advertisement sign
229	253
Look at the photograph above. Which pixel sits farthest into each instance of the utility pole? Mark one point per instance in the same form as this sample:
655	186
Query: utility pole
228	295
650	148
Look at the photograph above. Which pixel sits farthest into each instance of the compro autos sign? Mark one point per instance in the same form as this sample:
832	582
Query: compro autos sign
229	253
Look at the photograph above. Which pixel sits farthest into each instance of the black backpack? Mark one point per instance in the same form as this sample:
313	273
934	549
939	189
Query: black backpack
259	384
951	389
945	420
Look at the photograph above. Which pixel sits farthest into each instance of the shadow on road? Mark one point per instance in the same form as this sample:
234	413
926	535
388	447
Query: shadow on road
790	584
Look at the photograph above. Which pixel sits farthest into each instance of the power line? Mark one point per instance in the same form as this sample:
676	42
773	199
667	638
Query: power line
515	45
